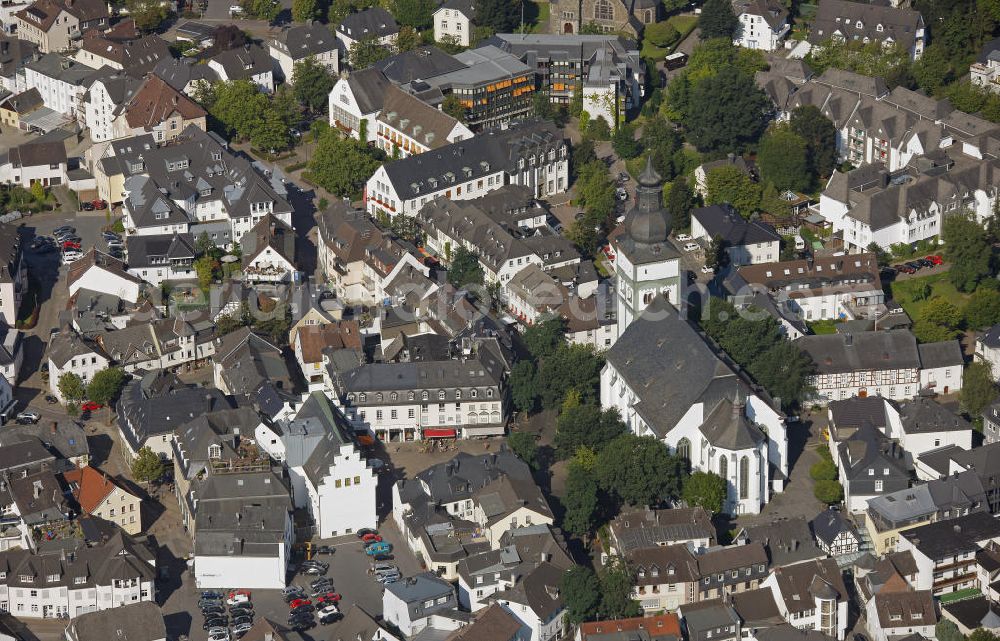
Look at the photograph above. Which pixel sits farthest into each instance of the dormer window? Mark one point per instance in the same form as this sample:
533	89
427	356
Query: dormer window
393	396
879	28
410	396
441	395
425	395
858	25
458	395
378	397
363	398
215	452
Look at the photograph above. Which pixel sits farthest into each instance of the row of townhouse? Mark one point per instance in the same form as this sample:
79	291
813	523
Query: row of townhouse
119	571
533	154
881	363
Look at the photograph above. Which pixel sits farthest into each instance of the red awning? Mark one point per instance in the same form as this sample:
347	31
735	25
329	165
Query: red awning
439	433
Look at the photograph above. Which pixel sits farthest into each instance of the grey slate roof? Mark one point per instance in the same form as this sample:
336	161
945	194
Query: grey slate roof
337	433
828	525
926	415
249	361
243	63
149	251
468	159
161	414
649	354
308	40
836	353
955	536
842	17
141	621
63	438
787	541
942	354
368	87
242	514
866	456
374	22
645	527
421	587
991	337
179	72
421	63
724	222
727	427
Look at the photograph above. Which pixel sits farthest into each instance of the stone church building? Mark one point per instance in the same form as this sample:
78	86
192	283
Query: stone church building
611	16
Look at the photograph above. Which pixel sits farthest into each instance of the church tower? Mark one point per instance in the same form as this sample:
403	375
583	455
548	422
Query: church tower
646	263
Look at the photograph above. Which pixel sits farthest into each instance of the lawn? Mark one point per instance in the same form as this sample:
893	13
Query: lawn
824	327
960	595
539	12
903	292
684	25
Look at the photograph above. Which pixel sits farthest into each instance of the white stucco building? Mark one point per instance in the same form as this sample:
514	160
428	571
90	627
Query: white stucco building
763	24
453	22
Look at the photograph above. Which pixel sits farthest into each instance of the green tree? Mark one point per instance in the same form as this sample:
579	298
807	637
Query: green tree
465	268
236	105
204	244
820	135
502	16
727	111
366	52
586	425
946	630
967	248
580	501
261	9
661	140
524	391
148	467
716	256
270	134
616	580
312	83
598	128
624	142
982	634
408	39
105	385
978	388
569	367
881	256
418	14
823	470
705	489
783	159
638	470
71	387
828	492
938	321
728	185
37	192
525	446
545	337
933	70
304	10
680	202
148	14
717	20
583	154
342	165
452	105
581	593
983	309
205	268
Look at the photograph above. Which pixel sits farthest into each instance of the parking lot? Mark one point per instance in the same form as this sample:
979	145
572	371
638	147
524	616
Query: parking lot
349	567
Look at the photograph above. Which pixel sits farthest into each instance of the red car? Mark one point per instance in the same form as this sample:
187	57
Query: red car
330	597
937	260
71	244
297	602
99	204
90	406
371	538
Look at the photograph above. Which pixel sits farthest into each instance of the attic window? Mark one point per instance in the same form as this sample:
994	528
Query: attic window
215	451
363	398
879	28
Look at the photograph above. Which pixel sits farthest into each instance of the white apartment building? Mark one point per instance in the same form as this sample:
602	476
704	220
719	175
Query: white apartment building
299	42
454	22
69	353
408	126
763	24
532	154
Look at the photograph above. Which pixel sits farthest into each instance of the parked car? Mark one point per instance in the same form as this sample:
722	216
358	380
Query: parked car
297	602
71	257
241	609
246	619
622	177
936	260
292	589
691	247
330	597
621	194
110	235
242	629
329	618
64	228
209	594
85	206
389	578
213	609
683	238
219	636
316	563
50	399
99	204
365	530
28	416
302	623
380	547
71	244
318	582
239	596
914	264
204	603
325	549
328	610
91	406
216	622
383	567
904	268
383	557
371	538
314	570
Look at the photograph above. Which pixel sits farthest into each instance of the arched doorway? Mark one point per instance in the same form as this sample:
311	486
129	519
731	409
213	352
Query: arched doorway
568	27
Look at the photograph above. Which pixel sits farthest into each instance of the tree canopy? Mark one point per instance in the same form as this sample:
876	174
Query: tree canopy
418	14
820	136
148	467
342	165
105	385
464	268
580	501
983	309
501	16
148	14
71	387
727	112
783	159
581	593
717	20
938	321
978	388
639	470
705	489
366	52
312	84
729	185
586	425
304	10
968	250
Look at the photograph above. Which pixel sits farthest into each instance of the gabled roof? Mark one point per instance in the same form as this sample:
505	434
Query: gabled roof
829	524
243	63
90	487
24	102
491	624
307	40
94	259
373	22
136	56
368	87
36	154
905	609
415	118
156	101
836	353
141	621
